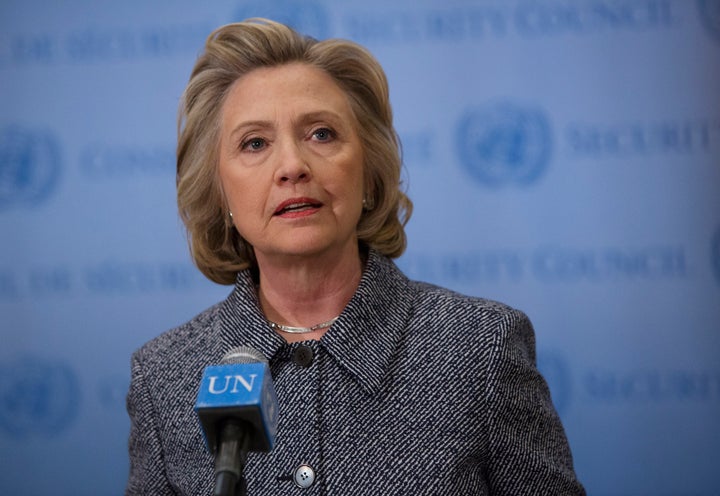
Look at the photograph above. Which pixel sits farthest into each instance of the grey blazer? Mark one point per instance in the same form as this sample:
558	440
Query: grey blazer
415	390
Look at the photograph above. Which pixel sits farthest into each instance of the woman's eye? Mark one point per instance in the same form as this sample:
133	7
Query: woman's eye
253	144
323	134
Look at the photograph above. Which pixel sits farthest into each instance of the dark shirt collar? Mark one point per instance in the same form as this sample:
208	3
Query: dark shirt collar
363	340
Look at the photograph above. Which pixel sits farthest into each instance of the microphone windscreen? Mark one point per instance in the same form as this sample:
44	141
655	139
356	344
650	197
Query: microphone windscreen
243	354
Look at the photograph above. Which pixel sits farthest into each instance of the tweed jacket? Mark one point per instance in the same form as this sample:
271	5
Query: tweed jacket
415	390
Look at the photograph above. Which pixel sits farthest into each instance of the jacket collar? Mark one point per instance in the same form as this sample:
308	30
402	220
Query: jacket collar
363	340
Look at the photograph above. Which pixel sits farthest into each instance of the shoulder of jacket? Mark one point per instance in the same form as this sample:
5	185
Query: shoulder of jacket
428	296
177	341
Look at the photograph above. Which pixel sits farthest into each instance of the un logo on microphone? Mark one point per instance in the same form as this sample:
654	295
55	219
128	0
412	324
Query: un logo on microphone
29	166
710	16
37	397
308	17
504	143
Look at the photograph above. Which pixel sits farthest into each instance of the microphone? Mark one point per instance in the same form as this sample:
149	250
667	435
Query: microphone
237	408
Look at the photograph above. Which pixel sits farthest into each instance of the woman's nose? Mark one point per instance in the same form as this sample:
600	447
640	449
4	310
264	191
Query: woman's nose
293	167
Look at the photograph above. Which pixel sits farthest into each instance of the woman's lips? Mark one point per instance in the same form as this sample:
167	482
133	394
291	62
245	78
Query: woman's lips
297	207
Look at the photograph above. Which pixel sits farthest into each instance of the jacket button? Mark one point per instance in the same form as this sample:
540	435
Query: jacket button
303	356
304	476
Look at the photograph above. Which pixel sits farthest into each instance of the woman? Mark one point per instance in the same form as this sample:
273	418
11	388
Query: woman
289	186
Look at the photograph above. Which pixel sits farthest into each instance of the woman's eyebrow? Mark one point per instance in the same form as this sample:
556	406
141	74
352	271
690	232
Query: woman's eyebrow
305	118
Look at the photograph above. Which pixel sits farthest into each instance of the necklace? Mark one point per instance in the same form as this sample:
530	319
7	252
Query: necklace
302	330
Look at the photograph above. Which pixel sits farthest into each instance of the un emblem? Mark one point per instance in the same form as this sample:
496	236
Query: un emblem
308	17
554	368
29	166
37	397
715	250
504	143
710	16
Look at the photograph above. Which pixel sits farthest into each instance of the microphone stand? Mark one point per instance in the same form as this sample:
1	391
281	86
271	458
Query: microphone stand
230	460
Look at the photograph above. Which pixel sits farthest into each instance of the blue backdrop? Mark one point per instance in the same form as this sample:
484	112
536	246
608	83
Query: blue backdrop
563	157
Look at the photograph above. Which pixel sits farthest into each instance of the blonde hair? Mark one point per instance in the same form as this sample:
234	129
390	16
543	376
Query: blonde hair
231	52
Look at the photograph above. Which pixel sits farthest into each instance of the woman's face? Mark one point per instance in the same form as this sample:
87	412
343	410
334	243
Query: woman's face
291	163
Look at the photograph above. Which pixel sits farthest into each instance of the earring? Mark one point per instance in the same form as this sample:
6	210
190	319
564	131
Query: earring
368	204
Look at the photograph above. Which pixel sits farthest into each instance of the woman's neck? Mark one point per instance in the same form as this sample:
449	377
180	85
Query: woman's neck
306	292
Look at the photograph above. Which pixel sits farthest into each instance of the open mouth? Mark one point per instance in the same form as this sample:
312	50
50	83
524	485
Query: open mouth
296	206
